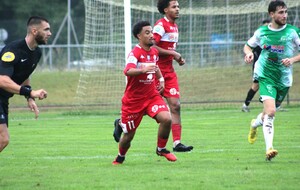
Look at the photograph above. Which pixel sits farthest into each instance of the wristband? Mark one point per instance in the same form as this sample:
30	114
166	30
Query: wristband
25	91
161	79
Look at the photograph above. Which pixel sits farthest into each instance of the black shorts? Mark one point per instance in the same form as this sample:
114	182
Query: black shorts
3	112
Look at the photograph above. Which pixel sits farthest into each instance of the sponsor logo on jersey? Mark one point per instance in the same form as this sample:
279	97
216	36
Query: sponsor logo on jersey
283	39
155	108
274	48
2	116
8	56
131	59
270	89
170	37
157	29
149	79
173	28
173	91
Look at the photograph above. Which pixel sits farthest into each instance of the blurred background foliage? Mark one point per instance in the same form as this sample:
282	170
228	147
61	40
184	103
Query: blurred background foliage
14	15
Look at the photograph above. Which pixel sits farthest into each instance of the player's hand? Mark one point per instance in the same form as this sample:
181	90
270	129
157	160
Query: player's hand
287	62
33	107
249	57
150	68
179	59
40	94
161	86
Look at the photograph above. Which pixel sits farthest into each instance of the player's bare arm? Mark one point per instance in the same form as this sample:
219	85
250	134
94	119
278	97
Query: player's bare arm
136	71
176	55
249	56
161	85
10	86
289	61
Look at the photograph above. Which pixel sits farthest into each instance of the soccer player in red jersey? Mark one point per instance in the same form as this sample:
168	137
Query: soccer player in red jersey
165	33
141	95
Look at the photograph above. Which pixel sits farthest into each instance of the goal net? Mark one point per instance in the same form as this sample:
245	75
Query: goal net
211	38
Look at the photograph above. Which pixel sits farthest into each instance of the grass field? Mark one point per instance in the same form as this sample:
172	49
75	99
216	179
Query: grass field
62	150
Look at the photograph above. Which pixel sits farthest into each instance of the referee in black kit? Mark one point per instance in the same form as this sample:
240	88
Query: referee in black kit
17	61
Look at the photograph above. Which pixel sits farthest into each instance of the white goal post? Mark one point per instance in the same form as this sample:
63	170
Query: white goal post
211	36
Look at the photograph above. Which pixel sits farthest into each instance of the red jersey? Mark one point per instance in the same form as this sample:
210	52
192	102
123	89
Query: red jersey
166	36
141	87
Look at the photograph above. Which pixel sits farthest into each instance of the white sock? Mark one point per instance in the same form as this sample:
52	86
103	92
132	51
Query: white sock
175	143
159	149
258	121
268	129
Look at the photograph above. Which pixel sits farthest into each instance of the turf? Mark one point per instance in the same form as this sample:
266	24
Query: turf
69	151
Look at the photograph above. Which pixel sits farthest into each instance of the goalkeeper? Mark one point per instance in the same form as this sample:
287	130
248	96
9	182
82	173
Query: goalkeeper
18	60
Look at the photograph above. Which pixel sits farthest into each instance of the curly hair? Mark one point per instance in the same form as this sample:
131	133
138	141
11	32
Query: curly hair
162	4
138	27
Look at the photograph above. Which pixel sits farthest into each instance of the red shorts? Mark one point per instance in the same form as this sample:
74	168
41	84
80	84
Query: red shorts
130	121
171	85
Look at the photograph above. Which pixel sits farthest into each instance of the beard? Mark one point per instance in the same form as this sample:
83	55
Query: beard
150	44
40	40
280	23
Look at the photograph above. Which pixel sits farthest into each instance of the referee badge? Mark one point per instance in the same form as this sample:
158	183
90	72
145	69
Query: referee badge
8	56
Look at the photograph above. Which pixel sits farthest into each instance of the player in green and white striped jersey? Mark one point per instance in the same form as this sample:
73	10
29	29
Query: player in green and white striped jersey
280	43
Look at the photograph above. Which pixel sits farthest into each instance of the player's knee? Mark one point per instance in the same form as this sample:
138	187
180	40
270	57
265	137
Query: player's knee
4	142
271	112
175	107
168	121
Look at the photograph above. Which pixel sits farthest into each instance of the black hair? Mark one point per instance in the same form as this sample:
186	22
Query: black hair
274	4
36	20
138	27
162	4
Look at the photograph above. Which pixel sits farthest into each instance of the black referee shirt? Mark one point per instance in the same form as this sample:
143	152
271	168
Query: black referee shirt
18	62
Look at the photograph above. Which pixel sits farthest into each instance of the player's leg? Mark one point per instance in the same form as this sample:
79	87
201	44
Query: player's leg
158	110
117	130
4	136
174	105
268	127
124	145
251	93
270	107
129	127
270	94
164	120
172	95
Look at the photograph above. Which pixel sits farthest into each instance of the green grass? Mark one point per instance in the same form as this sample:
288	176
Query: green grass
69	151
199	87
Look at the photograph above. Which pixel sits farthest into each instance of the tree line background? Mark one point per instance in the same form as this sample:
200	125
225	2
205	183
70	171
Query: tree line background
15	13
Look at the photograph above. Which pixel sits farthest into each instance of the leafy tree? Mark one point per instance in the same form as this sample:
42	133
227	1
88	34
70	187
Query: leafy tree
14	15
